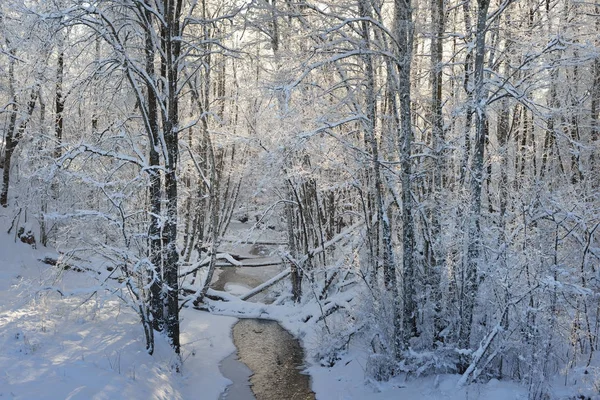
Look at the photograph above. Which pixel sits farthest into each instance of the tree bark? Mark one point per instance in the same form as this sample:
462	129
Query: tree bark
172	51
9	146
405	323
154	189
470	281
14	135
435	256
59	102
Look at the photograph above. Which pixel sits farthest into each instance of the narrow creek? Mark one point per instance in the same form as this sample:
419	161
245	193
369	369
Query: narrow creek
268	362
275	358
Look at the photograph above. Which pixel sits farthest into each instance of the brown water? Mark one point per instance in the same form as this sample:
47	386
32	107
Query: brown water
274	358
237	275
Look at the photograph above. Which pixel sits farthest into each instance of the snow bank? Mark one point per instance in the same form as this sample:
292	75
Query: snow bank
91	346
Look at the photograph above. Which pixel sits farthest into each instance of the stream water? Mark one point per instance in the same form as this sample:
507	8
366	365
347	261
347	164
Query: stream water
268	362
275	358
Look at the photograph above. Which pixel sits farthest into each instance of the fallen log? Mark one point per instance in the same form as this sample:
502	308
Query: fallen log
266	285
225	260
194	295
250	265
67	267
478	355
259	242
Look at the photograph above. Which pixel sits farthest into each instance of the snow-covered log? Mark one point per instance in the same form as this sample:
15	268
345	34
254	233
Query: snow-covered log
266	285
478	355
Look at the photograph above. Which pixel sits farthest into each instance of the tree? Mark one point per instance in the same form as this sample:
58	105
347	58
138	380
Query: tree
21	109
162	31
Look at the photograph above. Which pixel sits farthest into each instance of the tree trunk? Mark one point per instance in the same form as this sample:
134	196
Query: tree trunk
13	137
154	230
470	282
296	271
436	256
9	146
549	140
595	110
59	104
468	66
405	322
172	50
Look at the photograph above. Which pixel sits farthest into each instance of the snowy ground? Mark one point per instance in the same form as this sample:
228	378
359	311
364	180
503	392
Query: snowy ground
64	347
54	347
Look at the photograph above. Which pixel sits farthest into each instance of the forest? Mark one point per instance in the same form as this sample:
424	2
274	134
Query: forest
423	173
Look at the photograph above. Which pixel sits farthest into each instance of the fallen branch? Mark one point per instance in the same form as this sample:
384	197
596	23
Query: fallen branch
230	261
224	296
266	285
229	258
472	371
247	310
329	311
259	242
478	355
252	265
211	294
337	238
67	267
329	308
203	263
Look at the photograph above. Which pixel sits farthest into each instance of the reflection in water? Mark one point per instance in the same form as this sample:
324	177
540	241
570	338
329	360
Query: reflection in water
239	374
237	275
259	250
275	357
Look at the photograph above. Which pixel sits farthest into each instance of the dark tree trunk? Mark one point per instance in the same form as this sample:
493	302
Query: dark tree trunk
435	254
467	84
172	47
154	232
9	146
405	323
59	104
12	140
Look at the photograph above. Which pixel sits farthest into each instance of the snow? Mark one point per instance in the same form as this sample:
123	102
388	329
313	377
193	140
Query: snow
236	289
55	347
206	340
347	381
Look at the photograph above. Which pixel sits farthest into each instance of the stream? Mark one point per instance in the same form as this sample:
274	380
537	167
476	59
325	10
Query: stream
276	359
268	362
